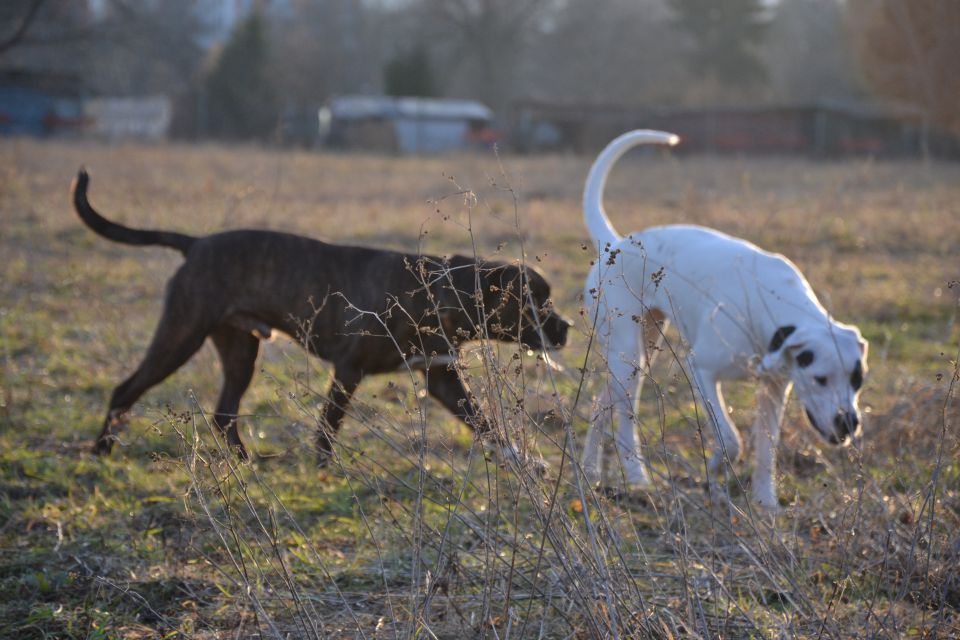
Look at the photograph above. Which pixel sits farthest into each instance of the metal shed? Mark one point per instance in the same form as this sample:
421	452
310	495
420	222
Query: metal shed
405	125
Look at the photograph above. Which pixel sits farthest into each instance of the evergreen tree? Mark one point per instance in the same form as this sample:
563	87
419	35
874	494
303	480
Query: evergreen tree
724	38
240	94
409	73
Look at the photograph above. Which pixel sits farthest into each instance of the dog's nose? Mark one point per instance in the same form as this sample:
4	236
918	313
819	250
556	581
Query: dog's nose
846	423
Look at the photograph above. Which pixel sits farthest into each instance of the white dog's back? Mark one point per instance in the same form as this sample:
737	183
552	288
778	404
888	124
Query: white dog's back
666	267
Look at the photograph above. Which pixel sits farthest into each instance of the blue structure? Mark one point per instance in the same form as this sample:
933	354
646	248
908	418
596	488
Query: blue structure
25	111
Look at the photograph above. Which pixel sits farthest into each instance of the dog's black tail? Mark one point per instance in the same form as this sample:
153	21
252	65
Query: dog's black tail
117	232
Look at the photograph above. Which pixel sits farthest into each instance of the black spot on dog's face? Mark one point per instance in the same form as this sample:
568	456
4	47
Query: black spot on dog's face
805	359
781	334
856	378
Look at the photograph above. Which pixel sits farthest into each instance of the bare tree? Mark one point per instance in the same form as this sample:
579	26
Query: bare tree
908	51
323	48
129	48
628	55
807	54
19	15
484	42
148	48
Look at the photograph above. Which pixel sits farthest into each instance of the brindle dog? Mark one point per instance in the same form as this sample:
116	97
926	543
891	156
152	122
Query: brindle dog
364	310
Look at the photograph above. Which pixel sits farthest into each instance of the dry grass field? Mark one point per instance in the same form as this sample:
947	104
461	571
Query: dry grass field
417	531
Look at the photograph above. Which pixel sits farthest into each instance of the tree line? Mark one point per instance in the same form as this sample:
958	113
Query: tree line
286	55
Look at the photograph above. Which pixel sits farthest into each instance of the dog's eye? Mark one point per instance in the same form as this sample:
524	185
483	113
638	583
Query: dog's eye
821	380
856	378
805	359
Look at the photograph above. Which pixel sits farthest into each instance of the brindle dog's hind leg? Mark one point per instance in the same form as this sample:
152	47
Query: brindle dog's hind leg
179	335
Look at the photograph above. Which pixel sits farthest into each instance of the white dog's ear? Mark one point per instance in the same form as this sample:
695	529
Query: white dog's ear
864	348
784	340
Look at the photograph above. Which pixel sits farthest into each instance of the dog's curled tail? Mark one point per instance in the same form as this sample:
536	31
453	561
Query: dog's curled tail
594	215
118	232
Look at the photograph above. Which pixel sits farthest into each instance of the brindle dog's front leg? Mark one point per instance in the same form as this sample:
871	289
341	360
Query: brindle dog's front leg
448	388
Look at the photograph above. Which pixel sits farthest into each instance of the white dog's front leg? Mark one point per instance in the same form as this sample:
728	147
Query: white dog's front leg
771	399
727	443
592	461
631	458
626	440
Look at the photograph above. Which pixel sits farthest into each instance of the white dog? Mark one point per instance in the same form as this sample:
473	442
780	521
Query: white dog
743	313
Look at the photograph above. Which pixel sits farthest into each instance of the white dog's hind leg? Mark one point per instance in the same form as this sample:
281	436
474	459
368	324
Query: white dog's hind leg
624	381
771	400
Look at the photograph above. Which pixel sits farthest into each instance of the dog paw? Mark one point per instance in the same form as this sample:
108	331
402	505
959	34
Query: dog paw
102	447
765	511
593	480
768	505
240	451
104	444
635	474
